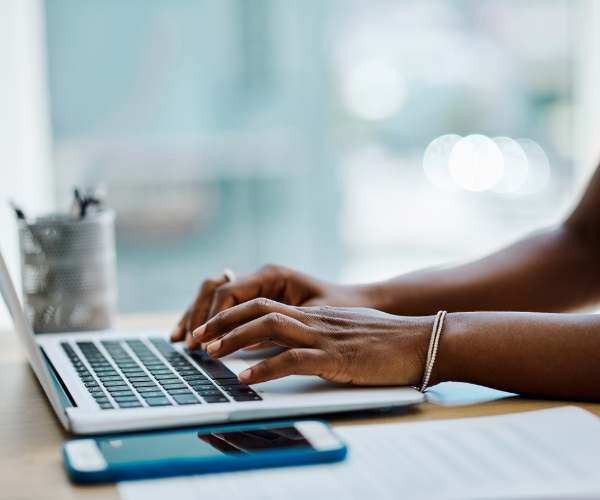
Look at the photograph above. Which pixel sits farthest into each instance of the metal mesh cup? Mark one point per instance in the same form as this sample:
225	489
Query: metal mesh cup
69	272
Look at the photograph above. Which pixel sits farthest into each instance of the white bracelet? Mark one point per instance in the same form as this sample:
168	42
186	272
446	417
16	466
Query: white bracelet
433	346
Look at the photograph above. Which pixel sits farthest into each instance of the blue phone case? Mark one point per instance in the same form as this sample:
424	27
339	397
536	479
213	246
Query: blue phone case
189	466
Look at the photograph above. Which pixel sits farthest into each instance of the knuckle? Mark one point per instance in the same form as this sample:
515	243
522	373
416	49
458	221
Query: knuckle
295	357
222	292
262	304
219	318
273	269
275	320
209	284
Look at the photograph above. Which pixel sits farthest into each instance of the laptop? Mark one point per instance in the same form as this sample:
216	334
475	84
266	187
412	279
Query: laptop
120	381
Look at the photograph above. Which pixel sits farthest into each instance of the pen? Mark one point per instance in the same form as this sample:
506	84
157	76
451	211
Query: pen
18	211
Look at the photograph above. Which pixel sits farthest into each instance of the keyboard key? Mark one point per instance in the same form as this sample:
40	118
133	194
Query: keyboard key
165	376
106	406
194	377
210	393
128	365
242	392
149	360
118	388
88	379
216	399
125	399
95	388
102	400
161	371
182	365
114	383
227	381
214	368
143	384
173	392
186	400
100	364
139	379
205	387
153	394
174	386
237	387
97	395
91	384
131	404
111	378
136	375
156	366
121	393
158	401
200	382
103	369
183	373
256	397
147	389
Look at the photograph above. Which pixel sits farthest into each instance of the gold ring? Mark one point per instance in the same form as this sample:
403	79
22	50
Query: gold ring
229	275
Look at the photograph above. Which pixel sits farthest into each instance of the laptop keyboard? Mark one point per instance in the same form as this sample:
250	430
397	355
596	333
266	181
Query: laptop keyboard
133	375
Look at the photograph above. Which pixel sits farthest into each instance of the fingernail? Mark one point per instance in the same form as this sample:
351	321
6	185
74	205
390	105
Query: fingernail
213	347
198	332
245	375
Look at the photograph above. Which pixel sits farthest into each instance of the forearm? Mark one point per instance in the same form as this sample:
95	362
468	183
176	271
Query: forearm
548	272
546	355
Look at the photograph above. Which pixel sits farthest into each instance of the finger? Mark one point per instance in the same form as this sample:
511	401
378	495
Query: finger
190	343
271	282
292	362
227	320
258	347
275	327
244	289
179	331
199	311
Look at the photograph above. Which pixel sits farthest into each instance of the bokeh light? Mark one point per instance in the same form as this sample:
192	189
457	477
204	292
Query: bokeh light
374	91
476	163
539	167
435	162
515	166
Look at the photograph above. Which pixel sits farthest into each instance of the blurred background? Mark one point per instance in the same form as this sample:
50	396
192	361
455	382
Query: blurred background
345	138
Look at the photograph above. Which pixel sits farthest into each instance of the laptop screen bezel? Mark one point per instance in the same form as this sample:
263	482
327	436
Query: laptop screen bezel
27	337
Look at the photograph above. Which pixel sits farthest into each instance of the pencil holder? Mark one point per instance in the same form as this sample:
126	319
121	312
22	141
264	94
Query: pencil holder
68	269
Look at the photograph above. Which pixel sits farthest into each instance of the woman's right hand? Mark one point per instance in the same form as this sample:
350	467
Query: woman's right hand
273	282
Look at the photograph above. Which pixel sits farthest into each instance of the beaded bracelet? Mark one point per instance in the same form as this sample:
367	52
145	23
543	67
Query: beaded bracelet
433	346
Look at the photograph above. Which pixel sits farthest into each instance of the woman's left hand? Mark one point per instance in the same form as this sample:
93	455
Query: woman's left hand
345	345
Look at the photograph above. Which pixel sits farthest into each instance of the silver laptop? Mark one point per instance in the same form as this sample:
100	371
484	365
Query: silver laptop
113	381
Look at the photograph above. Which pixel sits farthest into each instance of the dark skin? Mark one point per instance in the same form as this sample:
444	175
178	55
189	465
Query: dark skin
379	334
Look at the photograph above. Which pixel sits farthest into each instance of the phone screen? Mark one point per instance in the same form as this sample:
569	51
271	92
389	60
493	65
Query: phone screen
193	444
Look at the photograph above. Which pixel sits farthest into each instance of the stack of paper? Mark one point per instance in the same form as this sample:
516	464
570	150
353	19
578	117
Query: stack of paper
543	454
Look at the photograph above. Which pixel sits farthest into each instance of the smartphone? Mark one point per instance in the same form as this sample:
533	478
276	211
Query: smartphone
200	450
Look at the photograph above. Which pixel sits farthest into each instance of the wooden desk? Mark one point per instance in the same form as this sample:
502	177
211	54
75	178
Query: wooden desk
31	436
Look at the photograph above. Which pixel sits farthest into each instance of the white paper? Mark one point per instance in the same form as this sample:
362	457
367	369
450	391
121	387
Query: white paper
541	454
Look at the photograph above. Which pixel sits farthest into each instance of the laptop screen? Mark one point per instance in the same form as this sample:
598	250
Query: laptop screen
25	333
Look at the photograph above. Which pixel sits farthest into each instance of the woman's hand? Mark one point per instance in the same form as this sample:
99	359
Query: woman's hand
273	282
345	345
